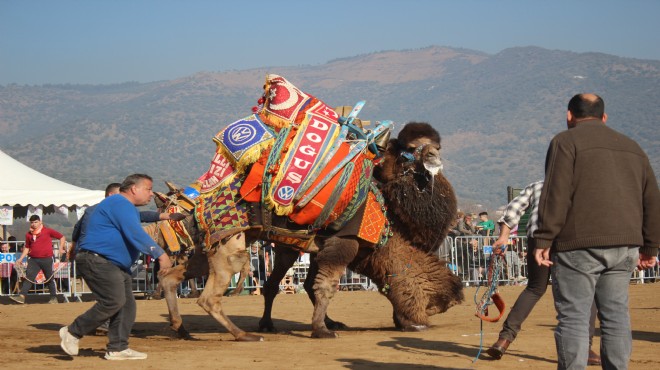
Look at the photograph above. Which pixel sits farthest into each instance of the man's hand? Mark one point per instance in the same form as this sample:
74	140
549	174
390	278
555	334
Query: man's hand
542	256
177	216
645	261
165	264
505	231
497	246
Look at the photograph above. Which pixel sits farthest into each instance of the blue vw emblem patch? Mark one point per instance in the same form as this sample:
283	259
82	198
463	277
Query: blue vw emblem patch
240	134
285	192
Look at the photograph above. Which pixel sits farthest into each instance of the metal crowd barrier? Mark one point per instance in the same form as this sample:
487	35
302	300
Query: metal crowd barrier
470	256
466	256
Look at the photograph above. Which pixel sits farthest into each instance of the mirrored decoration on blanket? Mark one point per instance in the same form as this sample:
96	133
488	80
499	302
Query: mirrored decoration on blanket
190	192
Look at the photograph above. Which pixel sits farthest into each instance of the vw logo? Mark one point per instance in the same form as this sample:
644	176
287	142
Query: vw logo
241	134
285	192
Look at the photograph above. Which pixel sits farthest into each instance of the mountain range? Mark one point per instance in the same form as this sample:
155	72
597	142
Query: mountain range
496	113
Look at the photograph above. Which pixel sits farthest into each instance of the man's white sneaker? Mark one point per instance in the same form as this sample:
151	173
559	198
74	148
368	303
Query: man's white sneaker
127	354
69	343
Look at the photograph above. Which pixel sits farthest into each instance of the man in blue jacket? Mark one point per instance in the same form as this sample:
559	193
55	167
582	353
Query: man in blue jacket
114	239
80	230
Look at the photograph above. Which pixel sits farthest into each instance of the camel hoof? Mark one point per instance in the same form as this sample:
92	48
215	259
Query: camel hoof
413	327
247	337
193	295
324	334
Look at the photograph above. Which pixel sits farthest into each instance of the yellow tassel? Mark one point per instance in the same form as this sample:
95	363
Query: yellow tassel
273	120
250	156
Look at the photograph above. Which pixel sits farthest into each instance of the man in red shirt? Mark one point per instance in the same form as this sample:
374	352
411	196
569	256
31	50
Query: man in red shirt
39	249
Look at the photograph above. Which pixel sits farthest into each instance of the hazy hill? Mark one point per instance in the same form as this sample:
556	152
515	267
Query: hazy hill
496	113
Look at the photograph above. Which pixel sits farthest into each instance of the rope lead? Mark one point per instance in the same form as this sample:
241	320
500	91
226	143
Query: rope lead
490	297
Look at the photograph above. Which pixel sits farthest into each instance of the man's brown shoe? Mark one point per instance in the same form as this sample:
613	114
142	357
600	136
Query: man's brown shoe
498	349
594	358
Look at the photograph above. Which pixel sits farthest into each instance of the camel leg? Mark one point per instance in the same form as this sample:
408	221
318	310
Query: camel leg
168	284
284	258
332	261
245	271
194	292
158	292
409	310
309	284
196	266
224	262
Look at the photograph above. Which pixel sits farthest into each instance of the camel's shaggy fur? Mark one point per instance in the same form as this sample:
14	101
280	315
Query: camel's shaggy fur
417	284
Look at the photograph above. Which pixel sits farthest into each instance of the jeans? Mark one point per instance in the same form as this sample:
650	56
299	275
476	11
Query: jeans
33	267
578	277
537	284
113	289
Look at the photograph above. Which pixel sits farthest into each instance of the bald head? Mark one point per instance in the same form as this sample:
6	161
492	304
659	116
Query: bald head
585	106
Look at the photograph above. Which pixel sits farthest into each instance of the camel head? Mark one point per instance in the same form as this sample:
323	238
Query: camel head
420	200
414	153
175	201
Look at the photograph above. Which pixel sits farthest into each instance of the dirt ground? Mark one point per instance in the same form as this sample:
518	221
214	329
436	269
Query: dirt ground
30	339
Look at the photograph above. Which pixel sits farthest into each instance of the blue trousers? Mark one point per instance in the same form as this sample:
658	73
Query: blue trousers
113	288
579	277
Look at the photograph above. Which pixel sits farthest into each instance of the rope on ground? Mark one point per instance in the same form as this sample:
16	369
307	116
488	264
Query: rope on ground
21	272
490	297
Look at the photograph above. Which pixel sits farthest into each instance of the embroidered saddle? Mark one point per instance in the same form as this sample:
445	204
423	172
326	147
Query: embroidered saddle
298	159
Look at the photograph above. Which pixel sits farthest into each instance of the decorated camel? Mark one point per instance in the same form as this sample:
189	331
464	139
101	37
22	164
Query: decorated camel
297	174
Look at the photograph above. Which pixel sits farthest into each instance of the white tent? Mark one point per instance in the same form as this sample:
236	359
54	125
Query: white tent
24	186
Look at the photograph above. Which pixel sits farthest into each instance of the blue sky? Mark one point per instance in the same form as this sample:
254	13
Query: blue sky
103	42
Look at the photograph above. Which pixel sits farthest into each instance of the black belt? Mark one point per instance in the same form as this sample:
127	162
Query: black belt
85	251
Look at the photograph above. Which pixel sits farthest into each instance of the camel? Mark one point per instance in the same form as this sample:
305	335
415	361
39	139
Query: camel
419	228
400	261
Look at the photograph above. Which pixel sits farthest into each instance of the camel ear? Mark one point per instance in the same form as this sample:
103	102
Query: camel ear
160	199
160	195
173	188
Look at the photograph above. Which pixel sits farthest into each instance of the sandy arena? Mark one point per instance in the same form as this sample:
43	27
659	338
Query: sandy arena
30	340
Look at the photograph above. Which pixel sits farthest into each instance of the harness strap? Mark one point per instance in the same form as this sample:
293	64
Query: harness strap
170	236
491	296
498	301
